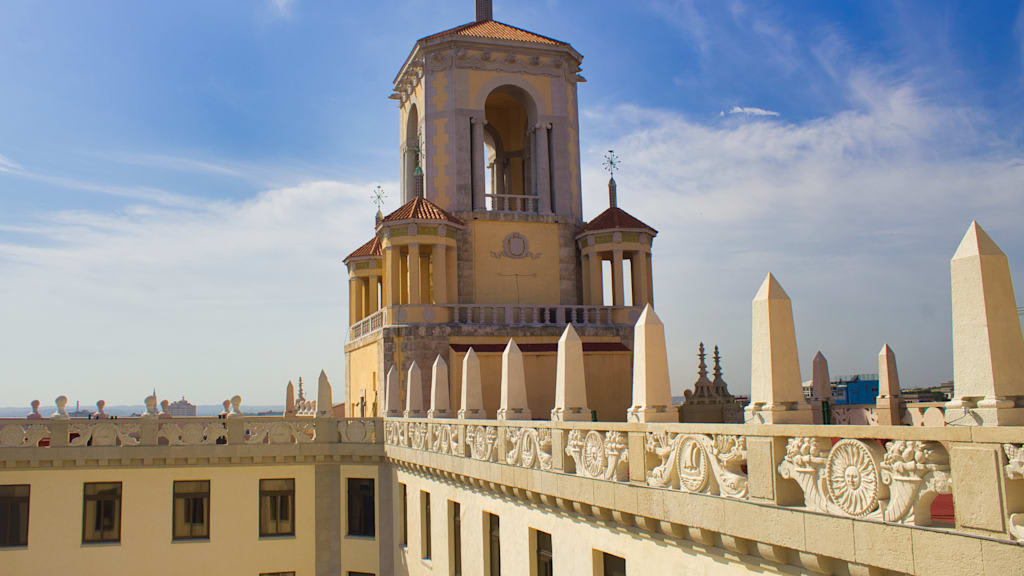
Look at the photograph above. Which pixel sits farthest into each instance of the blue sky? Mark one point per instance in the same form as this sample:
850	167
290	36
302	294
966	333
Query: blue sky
179	181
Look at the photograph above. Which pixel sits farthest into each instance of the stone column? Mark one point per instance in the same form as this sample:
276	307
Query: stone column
393	278
514	405
888	405
543	169
652	391
988	348
650	278
372	304
440	271
472	402
617	296
585	277
414	274
776	391
414	392
639	268
353	305
452	267
596	279
440	402
570	381
479	163
362	297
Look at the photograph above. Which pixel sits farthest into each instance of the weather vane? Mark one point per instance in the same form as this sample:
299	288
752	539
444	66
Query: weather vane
611	162
377	196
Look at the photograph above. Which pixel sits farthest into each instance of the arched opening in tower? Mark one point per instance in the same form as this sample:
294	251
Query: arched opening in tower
509	185
412	170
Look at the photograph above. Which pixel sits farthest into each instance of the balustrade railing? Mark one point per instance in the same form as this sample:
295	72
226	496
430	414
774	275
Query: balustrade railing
187	431
367	325
886	474
516	203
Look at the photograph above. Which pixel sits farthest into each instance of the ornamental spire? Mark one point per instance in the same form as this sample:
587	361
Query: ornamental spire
611	164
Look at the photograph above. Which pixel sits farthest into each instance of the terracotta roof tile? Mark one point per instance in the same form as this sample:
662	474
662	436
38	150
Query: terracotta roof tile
495	30
371	248
419	208
615	219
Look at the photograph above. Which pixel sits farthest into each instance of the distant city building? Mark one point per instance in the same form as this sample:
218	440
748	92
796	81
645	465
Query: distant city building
856	389
181	408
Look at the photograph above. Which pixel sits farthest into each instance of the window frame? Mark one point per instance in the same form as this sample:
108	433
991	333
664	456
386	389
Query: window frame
13	504
426	543
492	537
455	537
189	496
537	554
403	494
371	511
277	494
119	503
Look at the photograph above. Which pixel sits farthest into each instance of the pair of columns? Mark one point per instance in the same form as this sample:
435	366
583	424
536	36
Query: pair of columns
641	277
652	399
420	275
362	294
540	170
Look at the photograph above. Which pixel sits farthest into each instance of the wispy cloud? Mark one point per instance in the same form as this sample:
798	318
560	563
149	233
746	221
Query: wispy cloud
228	297
857	213
282	8
7	165
751	111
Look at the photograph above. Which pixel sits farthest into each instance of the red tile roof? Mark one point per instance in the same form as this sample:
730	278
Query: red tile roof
419	208
497	31
615	219
371	248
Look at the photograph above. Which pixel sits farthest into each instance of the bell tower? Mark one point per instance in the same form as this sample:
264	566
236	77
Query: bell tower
489	120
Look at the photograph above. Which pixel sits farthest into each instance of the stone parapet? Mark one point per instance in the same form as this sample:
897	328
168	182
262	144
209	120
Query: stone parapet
832	500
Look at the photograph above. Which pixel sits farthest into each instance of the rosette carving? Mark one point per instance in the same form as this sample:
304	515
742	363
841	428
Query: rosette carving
699	463
859	479
530	447
601	455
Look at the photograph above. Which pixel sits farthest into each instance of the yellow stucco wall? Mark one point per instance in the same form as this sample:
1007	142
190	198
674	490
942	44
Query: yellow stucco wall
360	553
608	375
363	364
55	524
573	541
478	80
493	282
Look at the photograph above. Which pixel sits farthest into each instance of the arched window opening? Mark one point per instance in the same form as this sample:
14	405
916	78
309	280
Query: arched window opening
412	169
509	184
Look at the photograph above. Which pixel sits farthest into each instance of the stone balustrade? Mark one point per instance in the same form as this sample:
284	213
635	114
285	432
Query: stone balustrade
23	433
874	476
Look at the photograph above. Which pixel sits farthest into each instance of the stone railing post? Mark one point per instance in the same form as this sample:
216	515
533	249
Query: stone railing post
58	432
637	443
981	494
764	482
149	431
236	429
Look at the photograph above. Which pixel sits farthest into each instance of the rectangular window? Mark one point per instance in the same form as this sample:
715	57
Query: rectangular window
455	537
543	557
277	507
425	525
277	573
403	495
191	510
14	515
101	515
612	565
361	507
494	545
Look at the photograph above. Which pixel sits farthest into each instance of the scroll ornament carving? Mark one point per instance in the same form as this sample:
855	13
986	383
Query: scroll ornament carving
530	447
599	455
192	433
105	433
1015	471
418	435
394	434
859	479
482	442
699	463
444	439
281	433
18	435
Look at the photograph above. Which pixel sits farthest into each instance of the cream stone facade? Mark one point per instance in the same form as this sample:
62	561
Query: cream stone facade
509	417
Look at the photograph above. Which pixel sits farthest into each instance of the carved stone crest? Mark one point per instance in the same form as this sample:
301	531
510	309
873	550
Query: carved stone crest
515	246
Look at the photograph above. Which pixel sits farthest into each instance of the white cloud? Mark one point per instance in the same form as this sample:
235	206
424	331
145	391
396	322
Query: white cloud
7	165
216	299
752	111
856	213
282	7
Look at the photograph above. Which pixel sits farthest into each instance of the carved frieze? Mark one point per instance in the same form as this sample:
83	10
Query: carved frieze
600	455
699	463
529	447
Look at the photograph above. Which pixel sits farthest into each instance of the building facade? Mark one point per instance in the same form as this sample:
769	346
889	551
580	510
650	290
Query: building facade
510	418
